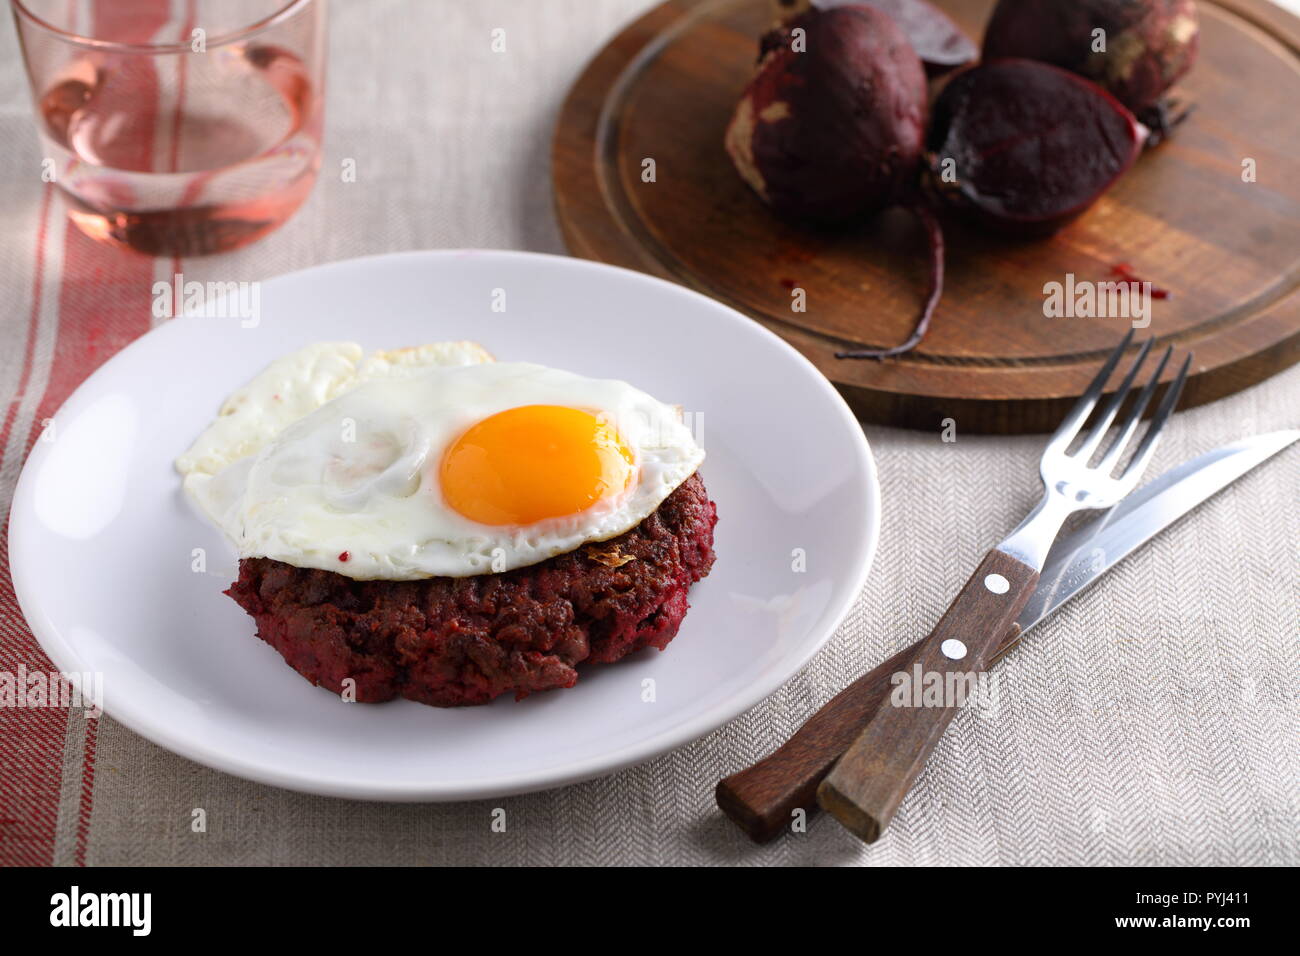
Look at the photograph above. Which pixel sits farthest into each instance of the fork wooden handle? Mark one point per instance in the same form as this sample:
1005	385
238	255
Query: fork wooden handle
869	782
762	799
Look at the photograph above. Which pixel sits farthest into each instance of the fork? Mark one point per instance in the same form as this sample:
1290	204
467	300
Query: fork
869	782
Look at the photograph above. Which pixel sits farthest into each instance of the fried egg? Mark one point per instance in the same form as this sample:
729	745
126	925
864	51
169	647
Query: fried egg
299	383
402	469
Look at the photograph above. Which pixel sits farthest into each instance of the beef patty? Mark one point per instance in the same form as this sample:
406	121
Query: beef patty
457	641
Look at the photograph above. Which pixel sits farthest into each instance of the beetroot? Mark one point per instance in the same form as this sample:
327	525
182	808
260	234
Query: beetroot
1149	44
831	128
935	236
832	125
1002	148
940	43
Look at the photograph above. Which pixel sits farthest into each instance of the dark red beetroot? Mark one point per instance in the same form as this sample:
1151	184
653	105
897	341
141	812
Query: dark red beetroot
940	43
1026	146
832	125
1149	44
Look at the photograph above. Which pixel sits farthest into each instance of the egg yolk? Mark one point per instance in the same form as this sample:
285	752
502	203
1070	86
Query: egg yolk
534	462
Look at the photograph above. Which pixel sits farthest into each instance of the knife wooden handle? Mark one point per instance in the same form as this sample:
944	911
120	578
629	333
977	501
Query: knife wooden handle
869	782
762	799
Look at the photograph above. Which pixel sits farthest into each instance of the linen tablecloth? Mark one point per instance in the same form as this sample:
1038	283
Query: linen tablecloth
1154	721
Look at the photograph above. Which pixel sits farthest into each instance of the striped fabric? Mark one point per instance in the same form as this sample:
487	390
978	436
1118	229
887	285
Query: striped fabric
1154	721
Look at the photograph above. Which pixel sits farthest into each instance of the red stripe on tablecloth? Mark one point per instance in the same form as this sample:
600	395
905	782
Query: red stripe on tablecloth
104	303
136	277
29	777
106	293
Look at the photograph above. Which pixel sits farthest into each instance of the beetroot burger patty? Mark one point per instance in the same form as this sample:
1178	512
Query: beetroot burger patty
456	641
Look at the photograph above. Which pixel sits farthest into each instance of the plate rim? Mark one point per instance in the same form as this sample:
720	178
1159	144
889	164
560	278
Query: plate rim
65	658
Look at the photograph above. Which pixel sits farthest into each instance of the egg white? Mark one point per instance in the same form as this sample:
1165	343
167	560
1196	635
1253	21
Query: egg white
297	384
359	474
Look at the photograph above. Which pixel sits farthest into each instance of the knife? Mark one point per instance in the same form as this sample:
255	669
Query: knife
766	798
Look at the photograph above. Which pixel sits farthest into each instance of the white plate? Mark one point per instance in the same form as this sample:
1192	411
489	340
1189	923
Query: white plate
101	538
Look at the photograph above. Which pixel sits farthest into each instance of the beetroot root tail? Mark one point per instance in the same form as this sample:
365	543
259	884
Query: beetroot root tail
934	233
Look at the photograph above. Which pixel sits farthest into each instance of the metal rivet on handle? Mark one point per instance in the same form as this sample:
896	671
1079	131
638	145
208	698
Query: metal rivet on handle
953	649
997	584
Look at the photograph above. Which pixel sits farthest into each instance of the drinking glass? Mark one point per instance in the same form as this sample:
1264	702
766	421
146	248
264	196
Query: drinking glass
177	127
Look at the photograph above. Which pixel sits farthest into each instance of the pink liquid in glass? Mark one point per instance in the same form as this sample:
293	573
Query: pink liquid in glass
183	154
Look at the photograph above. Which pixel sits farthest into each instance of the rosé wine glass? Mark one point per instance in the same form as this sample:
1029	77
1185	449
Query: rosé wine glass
177	127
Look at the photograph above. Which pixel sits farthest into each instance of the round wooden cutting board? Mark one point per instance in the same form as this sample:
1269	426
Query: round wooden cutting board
1184	218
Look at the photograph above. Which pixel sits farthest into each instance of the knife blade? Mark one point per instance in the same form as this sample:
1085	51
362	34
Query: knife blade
1083	555
762	798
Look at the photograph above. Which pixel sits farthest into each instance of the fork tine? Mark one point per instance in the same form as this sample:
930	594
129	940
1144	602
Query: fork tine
1112	406
1145	450
1108	461
1072	422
